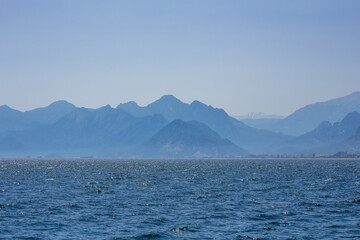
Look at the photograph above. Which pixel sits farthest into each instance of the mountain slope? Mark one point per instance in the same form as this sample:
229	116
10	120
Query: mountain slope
254	140
308	117
261	123
82	128
325	139
105	131
140	130
51	113
351	145
189	139
13	120
327	133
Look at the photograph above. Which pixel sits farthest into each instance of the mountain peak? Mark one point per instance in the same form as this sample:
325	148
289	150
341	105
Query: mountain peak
198	103
51	113
131	104
133	108
3	107
61	103
186	139
168	98
7	109
167	102
107	106
353	117
308	117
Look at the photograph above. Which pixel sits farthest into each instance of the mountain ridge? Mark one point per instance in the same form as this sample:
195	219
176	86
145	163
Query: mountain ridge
189	139
308	117
326	138
252	139
120	131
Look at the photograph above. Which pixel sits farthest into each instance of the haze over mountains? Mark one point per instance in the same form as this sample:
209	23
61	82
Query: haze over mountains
192	138
169	127
11	119
326	138
307	118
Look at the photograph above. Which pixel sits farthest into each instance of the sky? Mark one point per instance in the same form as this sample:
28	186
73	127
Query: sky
242	56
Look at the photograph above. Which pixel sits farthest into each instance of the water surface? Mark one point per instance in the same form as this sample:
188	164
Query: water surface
180	199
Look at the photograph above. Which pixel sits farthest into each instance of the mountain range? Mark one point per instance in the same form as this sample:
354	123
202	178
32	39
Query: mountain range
11	119
308	117
326	138
169	127
110	131
252	139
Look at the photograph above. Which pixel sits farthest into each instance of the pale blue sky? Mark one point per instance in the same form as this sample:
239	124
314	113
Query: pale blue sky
243	56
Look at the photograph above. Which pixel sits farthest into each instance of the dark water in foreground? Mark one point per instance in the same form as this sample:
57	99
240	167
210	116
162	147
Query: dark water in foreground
180	199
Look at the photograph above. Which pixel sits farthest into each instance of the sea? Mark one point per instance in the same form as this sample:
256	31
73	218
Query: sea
179	199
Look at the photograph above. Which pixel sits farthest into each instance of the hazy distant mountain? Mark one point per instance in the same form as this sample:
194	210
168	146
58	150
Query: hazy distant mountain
254	140
141	130
259	120
10	144
12	120
325	139
81	128
51	113
261	123
189	139
85	131
308	117
134	109
62	129
350	145
61	125
168	106
84	127
327	133
258	115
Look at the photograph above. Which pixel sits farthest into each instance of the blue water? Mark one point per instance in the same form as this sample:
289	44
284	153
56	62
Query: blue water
179	199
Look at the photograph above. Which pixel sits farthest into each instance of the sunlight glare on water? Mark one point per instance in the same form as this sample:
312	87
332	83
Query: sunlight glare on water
180	199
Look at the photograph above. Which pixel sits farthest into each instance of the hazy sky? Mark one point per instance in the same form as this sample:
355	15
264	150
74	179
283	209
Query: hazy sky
243	56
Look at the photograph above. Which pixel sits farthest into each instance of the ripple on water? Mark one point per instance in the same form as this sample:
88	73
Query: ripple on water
179	199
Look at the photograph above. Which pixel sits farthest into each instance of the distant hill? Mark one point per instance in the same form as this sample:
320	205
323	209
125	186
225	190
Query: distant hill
258	115
13	120
51	113
132	108
308	117
327	133
259	120
260	123
326	138
189	139
350	145
140	130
